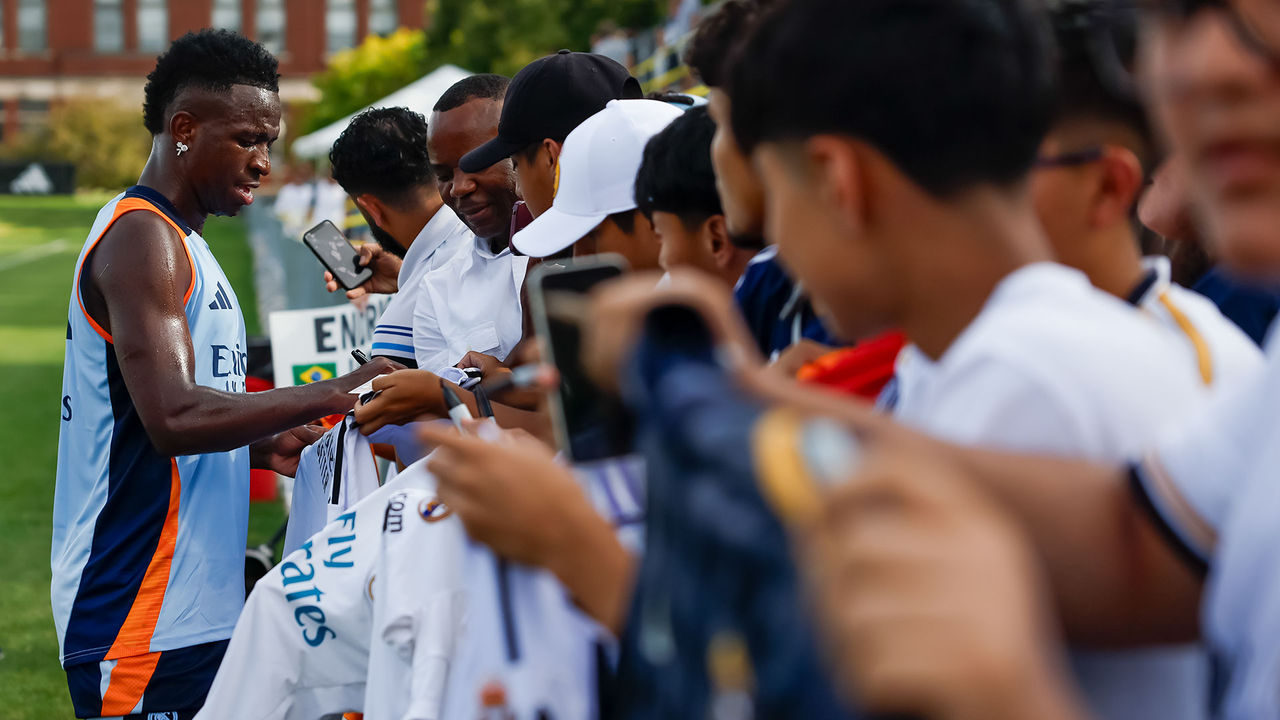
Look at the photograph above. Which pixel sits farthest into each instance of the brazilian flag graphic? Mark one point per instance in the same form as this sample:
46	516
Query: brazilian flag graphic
303	374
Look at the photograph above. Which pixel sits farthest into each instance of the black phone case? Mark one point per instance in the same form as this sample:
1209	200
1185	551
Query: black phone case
339	260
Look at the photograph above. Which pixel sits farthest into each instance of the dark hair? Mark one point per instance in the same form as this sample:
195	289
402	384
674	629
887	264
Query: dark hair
625	220
382	151
675	173
954	92
486	86
717	35
1096	46
210	59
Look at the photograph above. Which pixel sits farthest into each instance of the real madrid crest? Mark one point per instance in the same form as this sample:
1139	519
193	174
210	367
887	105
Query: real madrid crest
433	510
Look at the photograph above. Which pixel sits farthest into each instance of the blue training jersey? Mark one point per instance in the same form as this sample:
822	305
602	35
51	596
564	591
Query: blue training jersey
148	550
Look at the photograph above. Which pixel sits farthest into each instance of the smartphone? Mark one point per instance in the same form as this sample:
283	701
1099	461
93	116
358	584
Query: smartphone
589	423
336	254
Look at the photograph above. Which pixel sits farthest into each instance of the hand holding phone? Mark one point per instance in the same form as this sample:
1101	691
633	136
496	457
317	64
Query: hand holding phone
333	251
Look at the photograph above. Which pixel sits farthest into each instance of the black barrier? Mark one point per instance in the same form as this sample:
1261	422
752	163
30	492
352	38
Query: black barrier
37	178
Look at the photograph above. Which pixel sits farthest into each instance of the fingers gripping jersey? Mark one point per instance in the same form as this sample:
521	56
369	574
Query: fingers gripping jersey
148	550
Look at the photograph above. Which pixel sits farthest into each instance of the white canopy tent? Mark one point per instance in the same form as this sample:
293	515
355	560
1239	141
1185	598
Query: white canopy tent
420	95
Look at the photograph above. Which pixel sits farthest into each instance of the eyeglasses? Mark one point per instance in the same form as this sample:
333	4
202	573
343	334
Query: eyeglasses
1070	159
1256	21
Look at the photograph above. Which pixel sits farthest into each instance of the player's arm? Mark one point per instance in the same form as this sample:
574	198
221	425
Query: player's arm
137	277
407	395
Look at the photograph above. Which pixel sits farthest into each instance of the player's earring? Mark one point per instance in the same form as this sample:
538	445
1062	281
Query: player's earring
182	147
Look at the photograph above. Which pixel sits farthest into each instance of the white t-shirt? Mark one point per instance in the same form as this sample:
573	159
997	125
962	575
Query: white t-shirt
1213	484
1219	348
470	303
1052	365
300	650
442	236
334	473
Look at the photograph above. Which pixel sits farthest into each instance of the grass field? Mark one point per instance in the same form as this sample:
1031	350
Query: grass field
40	239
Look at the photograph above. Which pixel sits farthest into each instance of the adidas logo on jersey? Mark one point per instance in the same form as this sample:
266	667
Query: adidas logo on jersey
220	300
162	716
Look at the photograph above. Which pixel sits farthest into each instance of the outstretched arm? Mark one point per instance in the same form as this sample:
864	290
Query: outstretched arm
137	277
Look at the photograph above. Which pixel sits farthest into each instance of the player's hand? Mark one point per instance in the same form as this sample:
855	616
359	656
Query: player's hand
366	372
386	272
930	598
488	364
402	396
618	310
509	492
280	452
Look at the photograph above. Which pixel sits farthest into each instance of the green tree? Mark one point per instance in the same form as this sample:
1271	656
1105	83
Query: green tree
104	140
376	68
504	35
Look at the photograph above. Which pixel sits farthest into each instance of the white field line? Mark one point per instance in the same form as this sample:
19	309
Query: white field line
22	257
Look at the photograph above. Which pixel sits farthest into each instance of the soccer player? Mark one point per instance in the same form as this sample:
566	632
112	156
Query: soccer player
157	437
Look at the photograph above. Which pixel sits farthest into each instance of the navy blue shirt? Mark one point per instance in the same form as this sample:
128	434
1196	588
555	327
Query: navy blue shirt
772	306
1252	308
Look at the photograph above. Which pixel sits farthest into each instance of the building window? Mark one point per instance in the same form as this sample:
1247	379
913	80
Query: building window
32	25
108	26
226	14
153	26
339	24
32	116
383	18
271	25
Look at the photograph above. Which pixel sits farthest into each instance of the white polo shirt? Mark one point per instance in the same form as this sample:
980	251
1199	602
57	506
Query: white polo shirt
437	242
1052	365
470	303
1212	482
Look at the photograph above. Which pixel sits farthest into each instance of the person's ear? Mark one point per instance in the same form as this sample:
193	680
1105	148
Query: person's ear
552	149
182	127
1118	187
716	234
372	208
836	169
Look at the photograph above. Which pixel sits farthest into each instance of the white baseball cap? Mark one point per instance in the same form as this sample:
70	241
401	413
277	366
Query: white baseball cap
598	166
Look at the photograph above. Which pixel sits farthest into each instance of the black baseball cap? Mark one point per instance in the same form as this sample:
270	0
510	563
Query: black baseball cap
550	97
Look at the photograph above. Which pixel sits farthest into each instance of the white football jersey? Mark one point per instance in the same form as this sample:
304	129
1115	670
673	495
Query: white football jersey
334	473
525	641
300	650
1052	365
418	608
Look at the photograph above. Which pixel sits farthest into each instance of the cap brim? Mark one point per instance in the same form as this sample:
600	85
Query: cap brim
485	156
553	231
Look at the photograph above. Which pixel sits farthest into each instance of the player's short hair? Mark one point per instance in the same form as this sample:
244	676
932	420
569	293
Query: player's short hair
210	59
1096	43
675	173
383	151
716	37
954	92
485	86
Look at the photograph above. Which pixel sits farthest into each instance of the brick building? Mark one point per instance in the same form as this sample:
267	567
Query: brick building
56	49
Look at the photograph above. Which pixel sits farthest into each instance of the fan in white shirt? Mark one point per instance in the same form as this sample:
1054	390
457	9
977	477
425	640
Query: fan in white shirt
381	162
471	303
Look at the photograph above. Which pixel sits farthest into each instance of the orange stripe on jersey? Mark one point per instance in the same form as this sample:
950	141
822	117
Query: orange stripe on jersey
1203	356
129	680
122	207
139	625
